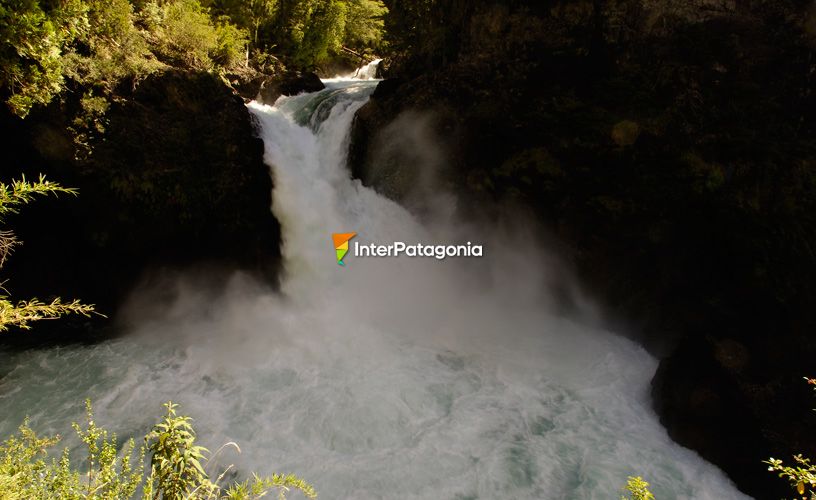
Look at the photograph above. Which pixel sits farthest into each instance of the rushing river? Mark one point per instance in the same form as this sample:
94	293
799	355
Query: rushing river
387	378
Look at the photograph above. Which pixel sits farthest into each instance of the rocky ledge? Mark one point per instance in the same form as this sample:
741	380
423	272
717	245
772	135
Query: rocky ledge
267	88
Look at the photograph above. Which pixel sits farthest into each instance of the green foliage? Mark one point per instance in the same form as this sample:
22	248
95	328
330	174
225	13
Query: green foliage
111	49
638	489
802	475
231	44
21	466
21	192
90	121
175	466
364	25
257	13
114	473
182	33
32	41
23	313
250	15
323	33
291	21
100	43
260	485
310	31
108	477
25	473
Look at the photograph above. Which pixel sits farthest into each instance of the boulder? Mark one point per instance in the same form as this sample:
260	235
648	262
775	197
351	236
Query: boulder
737	404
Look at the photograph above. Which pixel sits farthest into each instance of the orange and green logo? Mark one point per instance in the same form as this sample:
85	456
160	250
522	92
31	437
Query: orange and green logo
341	245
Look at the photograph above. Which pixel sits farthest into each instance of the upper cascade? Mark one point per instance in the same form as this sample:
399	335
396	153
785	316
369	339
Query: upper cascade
368	71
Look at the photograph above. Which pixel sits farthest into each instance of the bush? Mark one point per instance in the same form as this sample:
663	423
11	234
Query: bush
176	467
100	43
182	33
801	476
638	489
231	47
32	42
111	49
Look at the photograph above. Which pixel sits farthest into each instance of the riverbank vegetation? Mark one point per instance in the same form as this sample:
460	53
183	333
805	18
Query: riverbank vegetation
98	49
802	474
178	467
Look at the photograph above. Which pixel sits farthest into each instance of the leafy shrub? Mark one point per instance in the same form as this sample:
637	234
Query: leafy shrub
100	43
24	472
638	489
32	42
801	476
112	48
176	467
182	33
231	44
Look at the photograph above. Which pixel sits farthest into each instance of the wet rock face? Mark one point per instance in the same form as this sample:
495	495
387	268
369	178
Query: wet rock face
267	87
177	180
289	83
667	146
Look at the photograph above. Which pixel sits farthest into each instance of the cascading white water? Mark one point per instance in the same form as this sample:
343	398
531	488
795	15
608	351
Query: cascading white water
369	71
390	378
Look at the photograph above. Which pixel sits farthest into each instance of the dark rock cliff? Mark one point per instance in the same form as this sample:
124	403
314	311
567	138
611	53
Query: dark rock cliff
671	148
176	180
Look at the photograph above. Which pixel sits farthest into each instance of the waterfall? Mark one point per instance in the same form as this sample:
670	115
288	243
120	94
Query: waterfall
387	378
369	71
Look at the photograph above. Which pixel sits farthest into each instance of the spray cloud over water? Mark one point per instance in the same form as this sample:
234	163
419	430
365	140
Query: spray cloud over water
390	378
